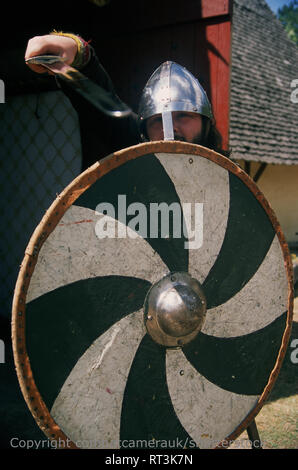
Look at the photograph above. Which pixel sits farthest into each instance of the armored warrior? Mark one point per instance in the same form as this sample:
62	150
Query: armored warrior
173	105
215	308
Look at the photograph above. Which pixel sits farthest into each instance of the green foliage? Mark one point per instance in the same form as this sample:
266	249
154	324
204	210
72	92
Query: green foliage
288	15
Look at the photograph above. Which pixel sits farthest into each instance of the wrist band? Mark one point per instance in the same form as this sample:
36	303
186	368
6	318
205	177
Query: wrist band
83	53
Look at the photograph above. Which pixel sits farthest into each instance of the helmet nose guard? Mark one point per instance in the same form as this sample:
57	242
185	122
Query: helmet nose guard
171	88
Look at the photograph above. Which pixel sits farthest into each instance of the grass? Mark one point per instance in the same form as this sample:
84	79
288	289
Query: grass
277	423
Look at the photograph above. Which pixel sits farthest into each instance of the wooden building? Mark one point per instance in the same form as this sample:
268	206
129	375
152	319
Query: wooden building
263	108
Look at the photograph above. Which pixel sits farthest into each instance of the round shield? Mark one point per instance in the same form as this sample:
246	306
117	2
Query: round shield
154	303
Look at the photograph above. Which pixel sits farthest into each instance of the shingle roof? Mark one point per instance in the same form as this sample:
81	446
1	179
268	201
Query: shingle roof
263	119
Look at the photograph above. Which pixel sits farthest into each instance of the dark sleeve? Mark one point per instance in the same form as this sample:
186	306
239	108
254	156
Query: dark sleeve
100	134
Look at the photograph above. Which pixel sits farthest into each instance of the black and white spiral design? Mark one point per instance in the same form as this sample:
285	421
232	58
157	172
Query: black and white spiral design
103	378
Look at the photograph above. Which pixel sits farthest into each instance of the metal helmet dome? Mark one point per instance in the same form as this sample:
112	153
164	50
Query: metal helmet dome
172	88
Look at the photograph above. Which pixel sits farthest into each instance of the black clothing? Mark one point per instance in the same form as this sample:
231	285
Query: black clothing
100	134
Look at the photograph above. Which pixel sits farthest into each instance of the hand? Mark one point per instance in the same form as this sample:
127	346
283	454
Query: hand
51	44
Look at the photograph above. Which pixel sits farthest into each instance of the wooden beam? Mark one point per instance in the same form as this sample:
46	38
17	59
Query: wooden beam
260	171
247	167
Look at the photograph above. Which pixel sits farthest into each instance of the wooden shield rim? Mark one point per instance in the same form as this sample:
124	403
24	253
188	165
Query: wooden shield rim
49	222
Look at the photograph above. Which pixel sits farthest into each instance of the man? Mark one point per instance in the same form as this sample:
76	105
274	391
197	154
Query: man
173	106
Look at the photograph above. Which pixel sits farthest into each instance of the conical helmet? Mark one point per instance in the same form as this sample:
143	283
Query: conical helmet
172	88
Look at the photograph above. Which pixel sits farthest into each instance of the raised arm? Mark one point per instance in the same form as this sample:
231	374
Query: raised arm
100	135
